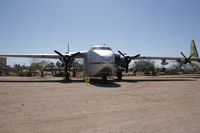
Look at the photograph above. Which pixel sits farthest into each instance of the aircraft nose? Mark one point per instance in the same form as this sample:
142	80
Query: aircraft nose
107	54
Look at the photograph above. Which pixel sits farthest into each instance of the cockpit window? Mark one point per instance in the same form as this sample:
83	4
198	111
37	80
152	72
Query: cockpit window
101	48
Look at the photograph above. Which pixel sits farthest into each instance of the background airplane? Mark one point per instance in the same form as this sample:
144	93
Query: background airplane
194	52
101	61
193	59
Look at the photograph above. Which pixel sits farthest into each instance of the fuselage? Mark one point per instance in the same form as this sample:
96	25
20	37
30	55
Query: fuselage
100	60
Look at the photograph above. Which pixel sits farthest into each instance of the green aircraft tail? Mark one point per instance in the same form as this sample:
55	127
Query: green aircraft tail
193	49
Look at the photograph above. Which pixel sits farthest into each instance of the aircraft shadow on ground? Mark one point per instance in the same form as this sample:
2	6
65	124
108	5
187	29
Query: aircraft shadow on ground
95	82
99	83
116	83
41	81
29	81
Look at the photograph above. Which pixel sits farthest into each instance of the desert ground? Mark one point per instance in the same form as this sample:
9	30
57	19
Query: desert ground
161	104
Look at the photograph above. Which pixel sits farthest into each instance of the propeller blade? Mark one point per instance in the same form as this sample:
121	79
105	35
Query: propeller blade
183	55
121	53
191	64
127	67
190	56
135	56
127	60
59	53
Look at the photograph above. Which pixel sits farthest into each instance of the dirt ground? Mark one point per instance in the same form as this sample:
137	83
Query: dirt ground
166	104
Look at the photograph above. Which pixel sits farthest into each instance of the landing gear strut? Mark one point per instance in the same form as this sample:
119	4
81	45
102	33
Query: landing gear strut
67	71
66	75
119	74
104	78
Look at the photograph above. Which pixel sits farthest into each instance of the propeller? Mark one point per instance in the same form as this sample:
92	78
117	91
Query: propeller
187	59
66	59
128	59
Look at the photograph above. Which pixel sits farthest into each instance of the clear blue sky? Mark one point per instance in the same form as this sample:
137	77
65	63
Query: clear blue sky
148	27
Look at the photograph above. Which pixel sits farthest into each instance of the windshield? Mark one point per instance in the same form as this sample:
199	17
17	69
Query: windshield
101	48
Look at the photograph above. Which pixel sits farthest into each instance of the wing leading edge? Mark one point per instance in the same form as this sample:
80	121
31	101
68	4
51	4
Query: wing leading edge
46	56
165	58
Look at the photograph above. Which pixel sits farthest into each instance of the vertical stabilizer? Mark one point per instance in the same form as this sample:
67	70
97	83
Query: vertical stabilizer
193	49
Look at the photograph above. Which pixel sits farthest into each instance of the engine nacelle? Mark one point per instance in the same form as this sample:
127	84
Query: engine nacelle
164	62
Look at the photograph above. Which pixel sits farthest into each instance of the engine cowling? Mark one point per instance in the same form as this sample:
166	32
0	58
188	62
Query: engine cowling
164	62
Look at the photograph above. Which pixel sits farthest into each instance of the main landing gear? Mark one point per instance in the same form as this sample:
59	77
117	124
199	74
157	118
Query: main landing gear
67	75
104	78
119	74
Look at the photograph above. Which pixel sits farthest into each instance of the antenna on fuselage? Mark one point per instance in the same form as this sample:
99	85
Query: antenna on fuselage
68	48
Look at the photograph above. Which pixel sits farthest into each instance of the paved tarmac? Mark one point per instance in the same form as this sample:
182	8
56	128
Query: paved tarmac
163	104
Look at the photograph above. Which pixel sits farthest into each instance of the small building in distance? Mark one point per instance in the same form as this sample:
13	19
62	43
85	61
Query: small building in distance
3	61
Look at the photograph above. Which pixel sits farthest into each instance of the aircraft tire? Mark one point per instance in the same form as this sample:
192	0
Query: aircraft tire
104	78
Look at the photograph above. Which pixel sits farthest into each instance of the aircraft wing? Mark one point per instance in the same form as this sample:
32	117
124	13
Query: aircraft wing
158	58
46	56
164	58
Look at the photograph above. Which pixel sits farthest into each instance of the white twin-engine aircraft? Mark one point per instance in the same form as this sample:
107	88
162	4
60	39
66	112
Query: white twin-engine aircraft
101	61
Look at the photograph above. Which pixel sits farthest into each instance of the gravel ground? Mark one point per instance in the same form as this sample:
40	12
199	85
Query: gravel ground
139	104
